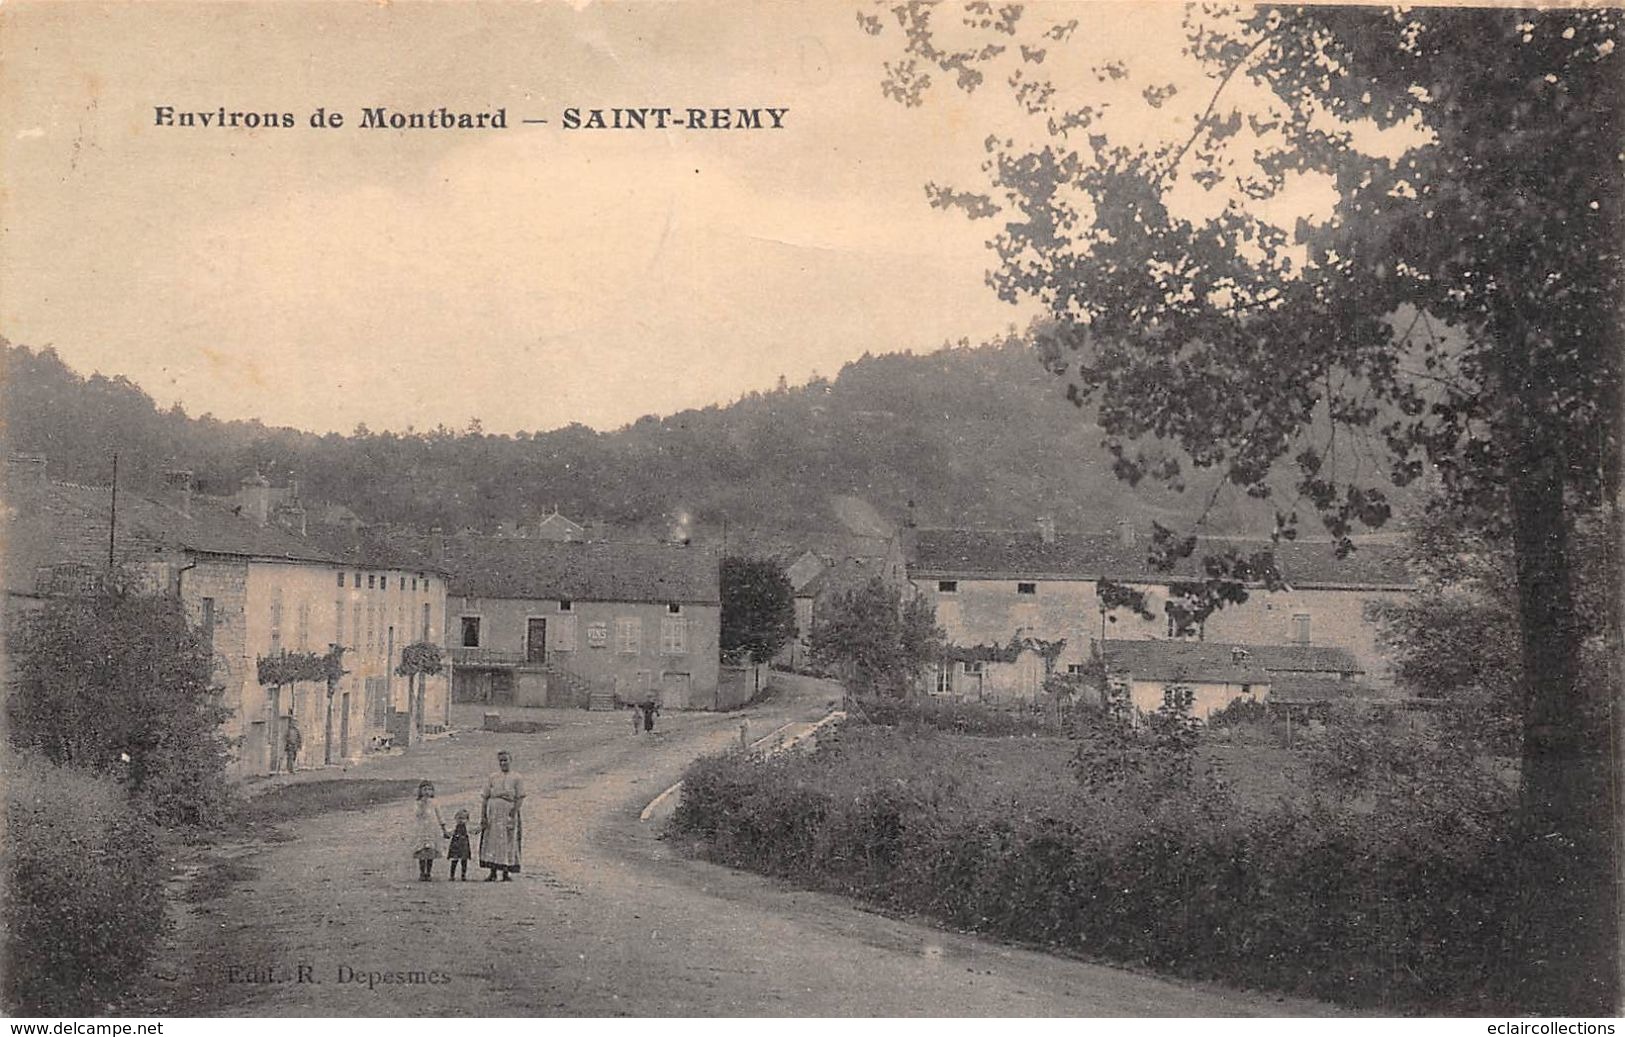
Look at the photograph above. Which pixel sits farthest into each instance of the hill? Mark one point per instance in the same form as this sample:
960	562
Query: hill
979	437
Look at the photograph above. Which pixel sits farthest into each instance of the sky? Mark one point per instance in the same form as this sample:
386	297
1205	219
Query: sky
529	277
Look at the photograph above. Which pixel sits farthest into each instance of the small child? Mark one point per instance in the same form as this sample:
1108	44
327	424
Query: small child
461	849
427	831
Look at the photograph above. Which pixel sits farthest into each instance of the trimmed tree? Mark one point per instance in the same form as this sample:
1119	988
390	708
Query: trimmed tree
420	660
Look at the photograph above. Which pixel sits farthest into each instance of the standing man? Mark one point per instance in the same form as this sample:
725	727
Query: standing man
292	742
502	837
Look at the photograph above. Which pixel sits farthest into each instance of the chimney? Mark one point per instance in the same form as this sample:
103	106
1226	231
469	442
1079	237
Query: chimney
256	498
25	473
1046	529
291	517
179	485
1125	532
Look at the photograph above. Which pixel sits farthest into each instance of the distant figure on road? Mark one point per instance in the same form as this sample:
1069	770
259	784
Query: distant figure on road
637	718
649	711
427	831
292	742
460	849
501	831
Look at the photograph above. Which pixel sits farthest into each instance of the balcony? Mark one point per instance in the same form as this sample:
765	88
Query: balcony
486	657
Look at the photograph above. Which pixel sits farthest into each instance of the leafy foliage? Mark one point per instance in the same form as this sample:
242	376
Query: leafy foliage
1410	908
83	891
758	608
420	657
286	668
1453	315
874	641
938	429
120	684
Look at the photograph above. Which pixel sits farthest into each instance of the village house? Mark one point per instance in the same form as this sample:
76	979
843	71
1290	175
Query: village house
536	622
1020	606
831	566
254	589
1218	674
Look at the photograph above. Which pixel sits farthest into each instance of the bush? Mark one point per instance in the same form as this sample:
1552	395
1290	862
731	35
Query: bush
120	684
968	718
1403	908
83	890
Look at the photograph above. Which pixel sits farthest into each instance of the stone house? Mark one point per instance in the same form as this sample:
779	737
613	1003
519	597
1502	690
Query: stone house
253	590
1218	674
995	589
566	623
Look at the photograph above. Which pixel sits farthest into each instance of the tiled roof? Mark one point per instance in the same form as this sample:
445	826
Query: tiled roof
1293	689
79	516
488	567
55	523
1210	661
1012	553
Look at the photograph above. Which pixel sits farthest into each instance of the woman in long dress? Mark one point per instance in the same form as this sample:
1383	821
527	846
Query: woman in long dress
502	839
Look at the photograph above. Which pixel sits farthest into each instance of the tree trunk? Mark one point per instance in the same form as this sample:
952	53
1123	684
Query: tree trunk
1569	896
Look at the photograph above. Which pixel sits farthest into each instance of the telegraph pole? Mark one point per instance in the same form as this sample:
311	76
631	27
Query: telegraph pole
112	517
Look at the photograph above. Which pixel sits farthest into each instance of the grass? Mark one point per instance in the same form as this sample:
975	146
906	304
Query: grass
305	799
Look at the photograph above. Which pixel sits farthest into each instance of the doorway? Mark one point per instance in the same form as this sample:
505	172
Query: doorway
344	726
536	640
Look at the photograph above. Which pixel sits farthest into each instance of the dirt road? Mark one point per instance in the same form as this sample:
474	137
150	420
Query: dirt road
605	919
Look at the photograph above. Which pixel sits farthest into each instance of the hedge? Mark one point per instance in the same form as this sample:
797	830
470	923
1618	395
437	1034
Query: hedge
83	897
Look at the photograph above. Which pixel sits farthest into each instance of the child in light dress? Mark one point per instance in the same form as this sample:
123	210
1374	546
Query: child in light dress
427	831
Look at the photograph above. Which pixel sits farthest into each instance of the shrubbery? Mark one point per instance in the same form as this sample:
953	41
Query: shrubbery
963	717
1404	907
83	884
120	684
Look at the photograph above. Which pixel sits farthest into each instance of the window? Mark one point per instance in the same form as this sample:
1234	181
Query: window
425	621
1026	588
276	621
471	631
947	586
208	623
674	636
403	583
1300	628
1074	668
425	583
338	620
355	626
304	626
973	667
414	583
563	633
675	609
341	579
565	605
629	635
372	581
355	579
945	680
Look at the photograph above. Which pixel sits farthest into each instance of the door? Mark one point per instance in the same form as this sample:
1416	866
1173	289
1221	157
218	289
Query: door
344	726
535	640
278	734
674	691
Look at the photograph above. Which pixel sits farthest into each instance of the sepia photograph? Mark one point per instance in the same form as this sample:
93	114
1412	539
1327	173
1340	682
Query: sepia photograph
732	509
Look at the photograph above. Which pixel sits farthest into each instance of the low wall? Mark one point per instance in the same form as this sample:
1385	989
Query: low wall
737	685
